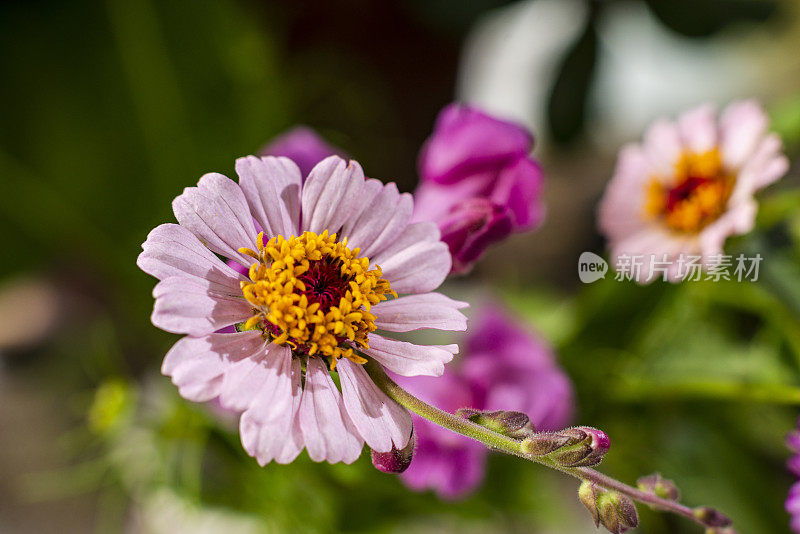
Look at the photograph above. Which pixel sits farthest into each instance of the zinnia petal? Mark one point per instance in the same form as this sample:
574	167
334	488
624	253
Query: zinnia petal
414	312
331	194
272	189
216	212
380	421
417	262
194	307
255	378
269	429
327	431
172	250
197	364
408	359
379	225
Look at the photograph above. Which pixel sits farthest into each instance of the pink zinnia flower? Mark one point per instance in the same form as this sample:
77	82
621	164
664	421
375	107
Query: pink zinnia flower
478	181
503	367
689	186
326	261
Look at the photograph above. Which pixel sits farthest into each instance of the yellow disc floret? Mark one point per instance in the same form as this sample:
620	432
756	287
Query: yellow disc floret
694	196
314	294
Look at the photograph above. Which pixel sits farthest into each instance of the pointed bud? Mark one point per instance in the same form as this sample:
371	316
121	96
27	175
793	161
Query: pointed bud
513	424
543	443
396	460
710	517
616	512
573	447
660	487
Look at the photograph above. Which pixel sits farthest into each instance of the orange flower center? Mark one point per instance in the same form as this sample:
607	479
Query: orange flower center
695	195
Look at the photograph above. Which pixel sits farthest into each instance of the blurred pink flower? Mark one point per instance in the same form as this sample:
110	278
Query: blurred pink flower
503	367
287	406
793	465
478	182
688	186
302	145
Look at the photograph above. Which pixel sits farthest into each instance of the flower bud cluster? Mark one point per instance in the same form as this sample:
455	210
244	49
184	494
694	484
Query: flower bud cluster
614	511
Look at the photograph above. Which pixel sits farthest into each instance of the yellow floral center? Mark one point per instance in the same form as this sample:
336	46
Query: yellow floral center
696	194
314	294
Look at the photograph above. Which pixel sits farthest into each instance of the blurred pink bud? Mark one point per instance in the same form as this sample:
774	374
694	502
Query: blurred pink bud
477	182
470	227
302	145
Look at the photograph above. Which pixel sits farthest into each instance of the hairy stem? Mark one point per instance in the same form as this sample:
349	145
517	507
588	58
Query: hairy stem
512	446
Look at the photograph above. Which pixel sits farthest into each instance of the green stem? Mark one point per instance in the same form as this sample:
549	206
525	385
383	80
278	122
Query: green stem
512	446
456	424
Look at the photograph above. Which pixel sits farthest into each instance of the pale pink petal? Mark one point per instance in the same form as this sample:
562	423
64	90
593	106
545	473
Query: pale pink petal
652	243
381	221
766	165
417	261
621	210
272	188
172	250
197	365
408	359
413	312
331	195
216	212
266	425
742	126
738	219
698	128
380	421
327	431
294	441
192	306
255	377
372	188
662	144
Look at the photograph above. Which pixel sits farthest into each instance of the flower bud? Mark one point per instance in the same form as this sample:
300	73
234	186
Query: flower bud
617	512
470	227
397	460
573	447
710	517
588	496
614	511
513	424
660	487
303	146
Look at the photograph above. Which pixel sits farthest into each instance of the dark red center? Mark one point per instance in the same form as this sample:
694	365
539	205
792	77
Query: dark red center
324	283
683	191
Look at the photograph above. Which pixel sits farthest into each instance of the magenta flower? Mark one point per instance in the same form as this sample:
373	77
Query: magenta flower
689	186
478	182
503	367
324	257
793	465
302	145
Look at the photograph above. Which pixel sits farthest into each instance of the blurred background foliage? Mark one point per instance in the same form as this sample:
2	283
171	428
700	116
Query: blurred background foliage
110	108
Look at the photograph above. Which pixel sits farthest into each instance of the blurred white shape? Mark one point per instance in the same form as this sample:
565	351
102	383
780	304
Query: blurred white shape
165	512
644	70
510	59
